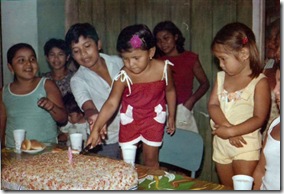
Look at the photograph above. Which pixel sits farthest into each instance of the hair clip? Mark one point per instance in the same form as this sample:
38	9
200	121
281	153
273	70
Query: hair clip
245	40
136	42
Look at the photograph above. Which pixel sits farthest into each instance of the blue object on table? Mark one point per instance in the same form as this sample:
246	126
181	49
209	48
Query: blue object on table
183	149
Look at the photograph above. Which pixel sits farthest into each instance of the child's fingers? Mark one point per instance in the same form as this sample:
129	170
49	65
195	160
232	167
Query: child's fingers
243	140
237	142
216	126
103	132
170	131
41	102
91	124
93	140
46	104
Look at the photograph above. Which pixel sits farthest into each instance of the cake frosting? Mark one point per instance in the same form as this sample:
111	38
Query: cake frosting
52	171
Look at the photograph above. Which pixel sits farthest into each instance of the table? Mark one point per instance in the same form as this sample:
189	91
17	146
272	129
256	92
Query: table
162	180
148	179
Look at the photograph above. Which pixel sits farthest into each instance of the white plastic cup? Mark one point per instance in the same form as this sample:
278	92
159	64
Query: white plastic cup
76	141
19	136
129	153
242	182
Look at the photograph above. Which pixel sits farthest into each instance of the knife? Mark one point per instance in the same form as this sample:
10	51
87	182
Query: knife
86	149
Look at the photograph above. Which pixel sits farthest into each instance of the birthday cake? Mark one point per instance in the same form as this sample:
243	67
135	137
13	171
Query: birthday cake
55	171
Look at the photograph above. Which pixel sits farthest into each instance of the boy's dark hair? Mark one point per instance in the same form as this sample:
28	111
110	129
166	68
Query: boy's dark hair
57	43
174	30
13	49
81	29
71	104
143	32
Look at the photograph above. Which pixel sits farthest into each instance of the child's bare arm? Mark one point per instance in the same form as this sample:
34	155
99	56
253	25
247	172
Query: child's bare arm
261	110
215	112
171	102
90	113
262	98
110	106
89	109
53	103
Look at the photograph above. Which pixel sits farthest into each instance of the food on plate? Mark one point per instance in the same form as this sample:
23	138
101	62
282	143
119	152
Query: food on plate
31	145
26	144
36	145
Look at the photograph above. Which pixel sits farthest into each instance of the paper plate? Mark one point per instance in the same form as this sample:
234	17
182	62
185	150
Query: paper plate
33	151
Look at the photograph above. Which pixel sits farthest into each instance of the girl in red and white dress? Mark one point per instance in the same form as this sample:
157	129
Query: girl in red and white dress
143	88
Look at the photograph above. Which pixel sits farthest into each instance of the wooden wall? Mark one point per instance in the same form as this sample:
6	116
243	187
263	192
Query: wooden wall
199	20
1	61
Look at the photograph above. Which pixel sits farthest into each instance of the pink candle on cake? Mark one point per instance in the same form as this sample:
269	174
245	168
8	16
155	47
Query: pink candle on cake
70	155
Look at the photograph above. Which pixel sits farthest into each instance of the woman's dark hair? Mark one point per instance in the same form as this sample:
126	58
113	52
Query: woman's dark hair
142	31
235	36
174	30
56	43
13	49
81	29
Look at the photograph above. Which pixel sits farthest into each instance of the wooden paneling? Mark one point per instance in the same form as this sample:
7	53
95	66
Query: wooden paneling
112	14
201	37
1	61
244	12
180	15
98	14
85	10
199	20
128	10
71	12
